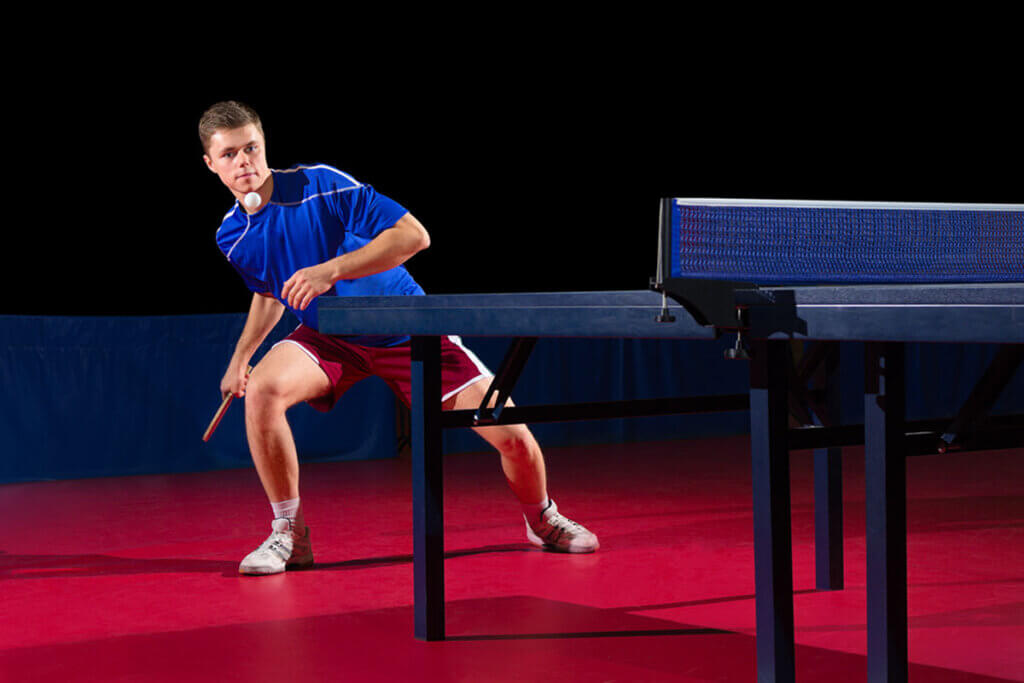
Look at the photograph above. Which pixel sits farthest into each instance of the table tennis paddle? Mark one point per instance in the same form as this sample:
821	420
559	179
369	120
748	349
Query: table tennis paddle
220	411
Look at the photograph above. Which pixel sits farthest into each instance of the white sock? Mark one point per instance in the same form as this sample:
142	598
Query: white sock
292	511
534	511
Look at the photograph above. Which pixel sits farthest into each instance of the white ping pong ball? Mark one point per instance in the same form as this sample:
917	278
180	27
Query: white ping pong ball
252	200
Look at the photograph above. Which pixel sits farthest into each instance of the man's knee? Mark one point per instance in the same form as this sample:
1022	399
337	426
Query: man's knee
266	393
284	378
517	444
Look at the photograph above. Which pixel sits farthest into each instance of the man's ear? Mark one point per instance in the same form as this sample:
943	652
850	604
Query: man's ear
209	162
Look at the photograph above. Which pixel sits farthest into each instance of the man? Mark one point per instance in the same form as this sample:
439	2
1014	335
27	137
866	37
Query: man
317	231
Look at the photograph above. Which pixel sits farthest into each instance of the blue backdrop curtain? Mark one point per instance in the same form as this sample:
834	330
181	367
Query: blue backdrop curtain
104	396
85	397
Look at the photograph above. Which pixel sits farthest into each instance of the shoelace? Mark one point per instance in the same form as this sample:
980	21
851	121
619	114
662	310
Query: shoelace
557	519
559	526
275	544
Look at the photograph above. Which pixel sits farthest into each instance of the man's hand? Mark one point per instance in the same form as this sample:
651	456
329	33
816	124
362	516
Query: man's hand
307	284
235	380
390	249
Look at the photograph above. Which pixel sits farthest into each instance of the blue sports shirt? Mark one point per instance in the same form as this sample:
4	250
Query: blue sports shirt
315	213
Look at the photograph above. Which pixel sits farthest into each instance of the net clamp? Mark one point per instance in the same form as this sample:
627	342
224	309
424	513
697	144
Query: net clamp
665	316
740	350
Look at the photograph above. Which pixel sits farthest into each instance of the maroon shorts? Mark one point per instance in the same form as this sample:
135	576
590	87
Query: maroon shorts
345	364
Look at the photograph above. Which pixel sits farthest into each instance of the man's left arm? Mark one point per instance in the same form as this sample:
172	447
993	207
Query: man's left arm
392	247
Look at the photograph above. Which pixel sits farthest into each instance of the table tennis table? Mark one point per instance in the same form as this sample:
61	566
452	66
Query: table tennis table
766	318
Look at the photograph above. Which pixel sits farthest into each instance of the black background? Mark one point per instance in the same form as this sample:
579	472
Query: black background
530	174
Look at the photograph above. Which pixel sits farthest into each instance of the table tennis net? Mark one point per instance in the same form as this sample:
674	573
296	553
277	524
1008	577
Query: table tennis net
802	242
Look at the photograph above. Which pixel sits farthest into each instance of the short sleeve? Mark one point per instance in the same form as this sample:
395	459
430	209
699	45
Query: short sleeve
367	213
256	286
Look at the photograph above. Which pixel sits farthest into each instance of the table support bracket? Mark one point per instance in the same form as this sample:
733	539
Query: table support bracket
504	380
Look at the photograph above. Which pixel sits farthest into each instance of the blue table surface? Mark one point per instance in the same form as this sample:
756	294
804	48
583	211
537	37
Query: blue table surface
994	294
541	314
946	312
975	313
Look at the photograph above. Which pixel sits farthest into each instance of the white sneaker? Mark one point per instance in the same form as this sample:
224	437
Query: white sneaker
282	550
555	532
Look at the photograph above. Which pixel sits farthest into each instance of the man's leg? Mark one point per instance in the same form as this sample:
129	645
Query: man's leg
521	457
284	377
523	463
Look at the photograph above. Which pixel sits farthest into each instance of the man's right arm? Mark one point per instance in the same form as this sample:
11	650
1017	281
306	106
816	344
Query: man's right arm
264	313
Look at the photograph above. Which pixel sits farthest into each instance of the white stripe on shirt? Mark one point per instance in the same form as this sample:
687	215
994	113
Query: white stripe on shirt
329	168
248	223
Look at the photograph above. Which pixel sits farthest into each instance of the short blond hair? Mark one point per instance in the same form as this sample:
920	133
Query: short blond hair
226	115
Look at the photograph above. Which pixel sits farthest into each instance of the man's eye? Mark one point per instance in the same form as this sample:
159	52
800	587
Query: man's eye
251	148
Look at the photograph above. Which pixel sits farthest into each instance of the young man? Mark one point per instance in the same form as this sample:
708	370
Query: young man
317	231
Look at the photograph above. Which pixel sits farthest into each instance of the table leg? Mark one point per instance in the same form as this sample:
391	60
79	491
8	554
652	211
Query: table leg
773	555
828	484
427	488
885	481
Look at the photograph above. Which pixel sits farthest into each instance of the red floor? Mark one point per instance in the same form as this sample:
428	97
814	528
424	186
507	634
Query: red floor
134	579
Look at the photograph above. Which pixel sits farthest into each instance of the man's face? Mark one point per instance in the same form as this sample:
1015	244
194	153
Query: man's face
239	159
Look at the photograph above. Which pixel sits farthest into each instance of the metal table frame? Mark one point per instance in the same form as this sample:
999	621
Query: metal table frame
883	317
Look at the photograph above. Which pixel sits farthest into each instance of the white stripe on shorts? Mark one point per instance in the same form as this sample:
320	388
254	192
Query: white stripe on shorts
484	372
304	349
